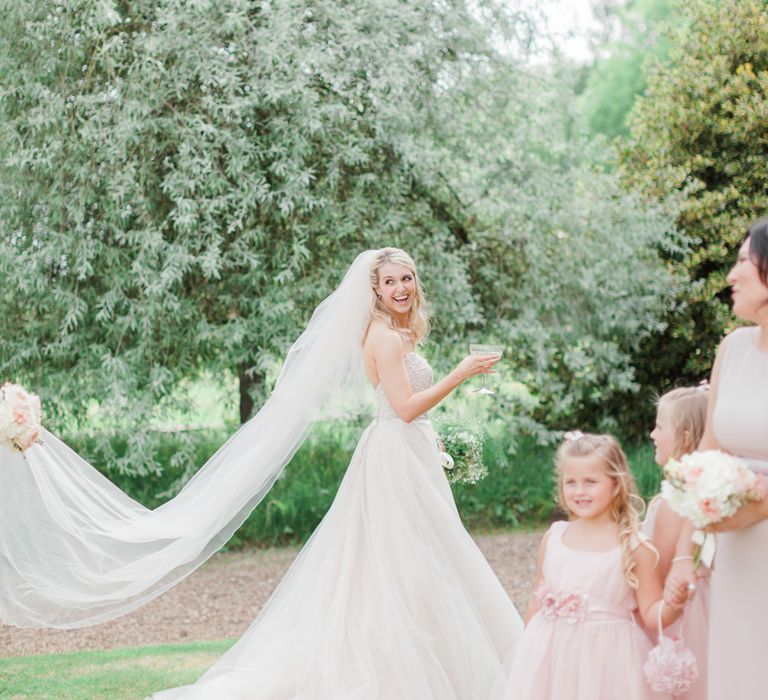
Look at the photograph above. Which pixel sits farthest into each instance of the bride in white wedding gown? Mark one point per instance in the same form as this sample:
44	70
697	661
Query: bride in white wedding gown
390	599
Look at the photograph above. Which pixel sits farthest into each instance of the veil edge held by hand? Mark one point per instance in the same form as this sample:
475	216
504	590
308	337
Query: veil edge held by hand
76	551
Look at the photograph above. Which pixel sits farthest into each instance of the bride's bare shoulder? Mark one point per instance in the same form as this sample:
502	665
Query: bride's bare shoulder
382	338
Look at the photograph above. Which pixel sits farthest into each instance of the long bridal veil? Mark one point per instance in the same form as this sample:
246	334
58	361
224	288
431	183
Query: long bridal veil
75	550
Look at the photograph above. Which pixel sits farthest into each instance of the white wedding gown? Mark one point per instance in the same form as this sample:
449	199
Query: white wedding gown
390	599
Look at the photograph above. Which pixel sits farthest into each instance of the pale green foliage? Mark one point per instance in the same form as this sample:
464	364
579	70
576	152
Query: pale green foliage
181	183
565	260
463	441
635	38
701	134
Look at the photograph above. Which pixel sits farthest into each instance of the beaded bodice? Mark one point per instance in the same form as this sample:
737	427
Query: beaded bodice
420	374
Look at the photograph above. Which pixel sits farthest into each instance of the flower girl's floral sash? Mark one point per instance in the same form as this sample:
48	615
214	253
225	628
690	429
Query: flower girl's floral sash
574	607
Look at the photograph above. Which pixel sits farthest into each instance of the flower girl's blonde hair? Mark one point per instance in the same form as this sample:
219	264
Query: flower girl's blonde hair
688	416
418	316
626	506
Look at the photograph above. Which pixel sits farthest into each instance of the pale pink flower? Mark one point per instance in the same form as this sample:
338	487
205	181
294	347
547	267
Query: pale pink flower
759	491
670	668
567	605
546	598
710	507
572	607
693	474
19	417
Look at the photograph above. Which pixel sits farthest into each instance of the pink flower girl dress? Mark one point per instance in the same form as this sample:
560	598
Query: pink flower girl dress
583	643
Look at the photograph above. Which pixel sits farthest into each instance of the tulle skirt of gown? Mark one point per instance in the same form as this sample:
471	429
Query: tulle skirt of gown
390	598
585	661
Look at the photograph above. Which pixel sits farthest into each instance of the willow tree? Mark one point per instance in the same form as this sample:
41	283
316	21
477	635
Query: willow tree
181	182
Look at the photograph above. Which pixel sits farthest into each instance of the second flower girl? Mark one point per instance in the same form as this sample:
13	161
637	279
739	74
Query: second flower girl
680	418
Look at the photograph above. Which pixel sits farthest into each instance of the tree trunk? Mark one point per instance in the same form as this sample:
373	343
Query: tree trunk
246	381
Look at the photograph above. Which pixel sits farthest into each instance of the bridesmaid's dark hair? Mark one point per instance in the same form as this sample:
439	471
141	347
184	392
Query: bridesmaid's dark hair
757	234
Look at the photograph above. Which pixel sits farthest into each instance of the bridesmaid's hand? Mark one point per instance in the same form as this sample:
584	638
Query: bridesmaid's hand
749	514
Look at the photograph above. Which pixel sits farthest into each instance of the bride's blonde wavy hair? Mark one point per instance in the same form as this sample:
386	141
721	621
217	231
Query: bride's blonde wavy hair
418	316
626	507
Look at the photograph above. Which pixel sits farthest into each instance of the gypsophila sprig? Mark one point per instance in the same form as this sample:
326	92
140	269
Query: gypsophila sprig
19	417
464	443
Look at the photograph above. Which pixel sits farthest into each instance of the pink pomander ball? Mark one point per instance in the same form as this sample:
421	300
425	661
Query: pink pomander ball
670	668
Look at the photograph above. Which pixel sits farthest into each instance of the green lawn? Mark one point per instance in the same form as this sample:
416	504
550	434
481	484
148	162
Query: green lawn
118	674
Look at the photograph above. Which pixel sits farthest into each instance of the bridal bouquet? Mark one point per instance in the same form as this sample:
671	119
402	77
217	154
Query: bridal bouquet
462	452
19	417
706	487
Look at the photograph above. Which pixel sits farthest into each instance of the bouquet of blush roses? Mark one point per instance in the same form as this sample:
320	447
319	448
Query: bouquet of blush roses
19	417
706	487
462	452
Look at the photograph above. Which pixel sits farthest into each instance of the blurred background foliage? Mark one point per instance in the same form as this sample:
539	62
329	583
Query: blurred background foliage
181	183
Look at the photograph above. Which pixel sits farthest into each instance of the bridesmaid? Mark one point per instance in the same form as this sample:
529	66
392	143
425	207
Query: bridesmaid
737	422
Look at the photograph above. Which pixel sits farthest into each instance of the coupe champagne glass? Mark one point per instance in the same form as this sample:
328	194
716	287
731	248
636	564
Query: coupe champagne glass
486	351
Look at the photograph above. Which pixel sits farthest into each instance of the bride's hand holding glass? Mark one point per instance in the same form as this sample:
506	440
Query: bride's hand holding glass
475	364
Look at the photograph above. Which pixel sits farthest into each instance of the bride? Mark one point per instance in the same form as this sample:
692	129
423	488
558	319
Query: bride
389	599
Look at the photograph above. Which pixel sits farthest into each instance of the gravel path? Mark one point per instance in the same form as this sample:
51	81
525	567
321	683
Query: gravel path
221	599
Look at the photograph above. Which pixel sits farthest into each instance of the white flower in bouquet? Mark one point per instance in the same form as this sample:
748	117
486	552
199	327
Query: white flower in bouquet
19	417
707	486
462	450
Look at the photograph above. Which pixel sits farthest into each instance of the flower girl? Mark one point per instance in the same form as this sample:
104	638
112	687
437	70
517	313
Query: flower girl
680	419
581	640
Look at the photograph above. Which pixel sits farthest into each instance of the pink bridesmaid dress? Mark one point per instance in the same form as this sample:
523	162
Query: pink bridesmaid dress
584	643
738	631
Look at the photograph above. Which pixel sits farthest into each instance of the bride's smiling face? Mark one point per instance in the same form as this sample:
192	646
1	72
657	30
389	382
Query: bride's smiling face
397	289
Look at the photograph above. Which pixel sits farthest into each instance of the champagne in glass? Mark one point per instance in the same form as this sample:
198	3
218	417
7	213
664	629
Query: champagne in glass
487	351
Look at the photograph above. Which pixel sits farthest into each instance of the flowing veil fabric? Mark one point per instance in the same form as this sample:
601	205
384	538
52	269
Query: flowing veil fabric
76	551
